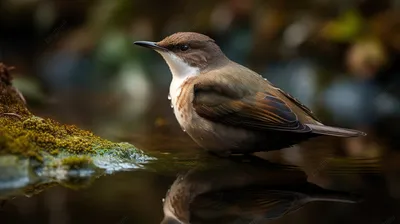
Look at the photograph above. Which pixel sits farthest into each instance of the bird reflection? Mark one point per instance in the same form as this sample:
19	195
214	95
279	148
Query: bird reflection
242	192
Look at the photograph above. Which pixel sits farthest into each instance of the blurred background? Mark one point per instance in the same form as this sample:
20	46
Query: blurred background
76	62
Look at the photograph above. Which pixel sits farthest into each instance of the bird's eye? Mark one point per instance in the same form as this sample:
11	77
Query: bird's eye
184	47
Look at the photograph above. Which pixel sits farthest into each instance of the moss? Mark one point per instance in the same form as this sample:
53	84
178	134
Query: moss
76	162
32	135
23	133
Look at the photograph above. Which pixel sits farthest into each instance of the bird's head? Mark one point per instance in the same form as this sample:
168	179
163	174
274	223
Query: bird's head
188	53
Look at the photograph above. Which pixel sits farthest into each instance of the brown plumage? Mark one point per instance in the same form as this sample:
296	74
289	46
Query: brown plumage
228	108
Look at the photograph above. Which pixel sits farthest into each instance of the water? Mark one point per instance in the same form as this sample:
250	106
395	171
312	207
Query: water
319	181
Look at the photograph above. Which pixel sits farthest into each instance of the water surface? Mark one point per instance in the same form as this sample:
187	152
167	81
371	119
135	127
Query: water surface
361	186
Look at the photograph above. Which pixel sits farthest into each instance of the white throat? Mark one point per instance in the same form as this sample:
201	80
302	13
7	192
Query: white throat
180	70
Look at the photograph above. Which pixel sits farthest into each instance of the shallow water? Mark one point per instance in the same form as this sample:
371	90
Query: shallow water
363	186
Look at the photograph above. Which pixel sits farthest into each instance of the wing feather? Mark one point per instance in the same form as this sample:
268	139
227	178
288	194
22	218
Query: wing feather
259	111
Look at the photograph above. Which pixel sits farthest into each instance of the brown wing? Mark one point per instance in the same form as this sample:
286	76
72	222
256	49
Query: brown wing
300	105
295	101
259	111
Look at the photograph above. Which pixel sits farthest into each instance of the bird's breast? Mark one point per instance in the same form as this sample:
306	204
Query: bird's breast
208	134
181	93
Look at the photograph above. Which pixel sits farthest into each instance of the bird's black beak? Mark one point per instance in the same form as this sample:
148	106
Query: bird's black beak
151	45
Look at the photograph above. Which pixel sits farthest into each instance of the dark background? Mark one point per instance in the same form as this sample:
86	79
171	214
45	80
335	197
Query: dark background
75	59
75	62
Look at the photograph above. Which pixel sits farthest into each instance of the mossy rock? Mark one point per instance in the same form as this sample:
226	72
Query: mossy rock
40	151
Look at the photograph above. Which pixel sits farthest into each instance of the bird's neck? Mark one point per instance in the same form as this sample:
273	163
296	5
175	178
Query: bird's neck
178	80
180	70
176	87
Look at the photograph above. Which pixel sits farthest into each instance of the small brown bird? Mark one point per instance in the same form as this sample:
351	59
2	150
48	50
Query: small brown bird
227	108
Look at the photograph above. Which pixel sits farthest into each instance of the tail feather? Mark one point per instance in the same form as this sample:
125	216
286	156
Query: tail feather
333	131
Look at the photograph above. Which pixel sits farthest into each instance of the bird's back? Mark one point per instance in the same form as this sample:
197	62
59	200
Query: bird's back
244	81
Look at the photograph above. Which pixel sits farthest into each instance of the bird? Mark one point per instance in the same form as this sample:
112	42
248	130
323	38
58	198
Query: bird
227	108
242	192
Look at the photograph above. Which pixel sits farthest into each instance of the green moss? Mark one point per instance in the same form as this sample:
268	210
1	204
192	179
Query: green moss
32	135
76	162
25	134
